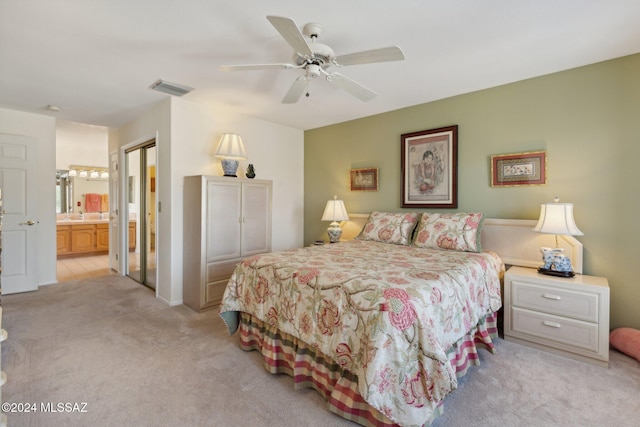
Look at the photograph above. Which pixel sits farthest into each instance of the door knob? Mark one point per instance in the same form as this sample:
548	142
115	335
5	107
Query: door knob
30	222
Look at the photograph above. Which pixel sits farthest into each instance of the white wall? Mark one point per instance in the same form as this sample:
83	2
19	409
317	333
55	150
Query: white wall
276	151
43	129
187	134
81	144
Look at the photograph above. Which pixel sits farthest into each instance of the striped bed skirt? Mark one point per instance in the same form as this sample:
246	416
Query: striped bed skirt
283	353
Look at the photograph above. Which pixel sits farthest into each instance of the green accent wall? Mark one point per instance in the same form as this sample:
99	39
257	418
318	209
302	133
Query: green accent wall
588	121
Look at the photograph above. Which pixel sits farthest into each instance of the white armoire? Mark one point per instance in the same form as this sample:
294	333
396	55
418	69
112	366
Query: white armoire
225	220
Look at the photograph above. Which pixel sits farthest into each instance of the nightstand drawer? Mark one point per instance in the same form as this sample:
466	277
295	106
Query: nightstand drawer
574	333
553	300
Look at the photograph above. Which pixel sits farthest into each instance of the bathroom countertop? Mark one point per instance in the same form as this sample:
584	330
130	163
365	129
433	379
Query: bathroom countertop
81	221
88	218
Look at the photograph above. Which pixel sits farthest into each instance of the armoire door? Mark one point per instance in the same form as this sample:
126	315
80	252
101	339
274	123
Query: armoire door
256	218
223	212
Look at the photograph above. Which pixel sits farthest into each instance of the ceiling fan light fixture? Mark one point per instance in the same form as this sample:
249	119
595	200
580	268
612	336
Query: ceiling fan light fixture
313	70
170	88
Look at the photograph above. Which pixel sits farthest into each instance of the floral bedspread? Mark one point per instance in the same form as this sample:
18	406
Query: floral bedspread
386	313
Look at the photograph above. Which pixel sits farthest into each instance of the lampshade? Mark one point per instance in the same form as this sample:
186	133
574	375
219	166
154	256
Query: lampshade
94	174
83	174
73	172
231	146
335	211
557	218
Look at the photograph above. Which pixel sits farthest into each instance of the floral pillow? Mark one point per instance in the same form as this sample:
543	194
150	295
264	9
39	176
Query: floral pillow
451	231
395	228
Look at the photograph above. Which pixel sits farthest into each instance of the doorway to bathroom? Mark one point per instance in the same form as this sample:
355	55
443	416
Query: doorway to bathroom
140	196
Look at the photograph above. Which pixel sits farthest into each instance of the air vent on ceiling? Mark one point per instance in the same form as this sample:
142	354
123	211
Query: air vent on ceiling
171	88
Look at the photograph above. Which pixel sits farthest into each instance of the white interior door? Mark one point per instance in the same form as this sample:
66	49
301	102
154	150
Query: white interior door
18	163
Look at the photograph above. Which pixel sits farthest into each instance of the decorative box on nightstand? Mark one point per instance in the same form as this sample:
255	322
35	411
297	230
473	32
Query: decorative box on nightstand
567	316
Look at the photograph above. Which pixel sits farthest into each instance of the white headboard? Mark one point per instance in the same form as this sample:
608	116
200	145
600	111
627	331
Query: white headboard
517	244
512	239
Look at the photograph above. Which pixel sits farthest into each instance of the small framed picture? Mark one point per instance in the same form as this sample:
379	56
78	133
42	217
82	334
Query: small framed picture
364	179
508	170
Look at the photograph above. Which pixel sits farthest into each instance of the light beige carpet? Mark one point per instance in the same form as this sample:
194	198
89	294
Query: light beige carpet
108	343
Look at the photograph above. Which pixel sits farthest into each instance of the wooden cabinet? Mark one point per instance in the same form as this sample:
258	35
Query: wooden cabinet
102	237
63	239
88	239
568	316
225	220
83	238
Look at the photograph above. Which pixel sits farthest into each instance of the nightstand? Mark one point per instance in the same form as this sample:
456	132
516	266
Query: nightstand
567	316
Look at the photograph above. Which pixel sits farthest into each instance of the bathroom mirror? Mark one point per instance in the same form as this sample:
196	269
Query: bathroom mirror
64	192
71	191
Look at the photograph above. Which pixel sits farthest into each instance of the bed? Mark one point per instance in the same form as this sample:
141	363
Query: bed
382	325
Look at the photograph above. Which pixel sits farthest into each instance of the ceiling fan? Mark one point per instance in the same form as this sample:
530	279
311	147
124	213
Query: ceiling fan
315	58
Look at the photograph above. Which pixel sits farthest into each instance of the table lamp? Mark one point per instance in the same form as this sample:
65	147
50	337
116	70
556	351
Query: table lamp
230	149
334	212
556	218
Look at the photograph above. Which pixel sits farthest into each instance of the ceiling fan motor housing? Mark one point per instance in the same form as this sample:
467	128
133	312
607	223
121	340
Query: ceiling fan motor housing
322	55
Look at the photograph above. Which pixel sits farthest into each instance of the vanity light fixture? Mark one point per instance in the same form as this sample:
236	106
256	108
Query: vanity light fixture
93	172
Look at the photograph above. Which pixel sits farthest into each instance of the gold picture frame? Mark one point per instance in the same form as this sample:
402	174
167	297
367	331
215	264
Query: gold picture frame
365	179
518	169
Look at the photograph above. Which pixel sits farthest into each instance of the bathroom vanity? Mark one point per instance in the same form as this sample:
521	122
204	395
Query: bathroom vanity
87	236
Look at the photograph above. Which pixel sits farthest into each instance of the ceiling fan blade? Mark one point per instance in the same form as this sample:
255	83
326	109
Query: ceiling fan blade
384	54
295	91
256	67
355	89
290	32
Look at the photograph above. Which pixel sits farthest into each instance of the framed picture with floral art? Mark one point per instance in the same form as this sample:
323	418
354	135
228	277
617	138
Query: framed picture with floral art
429	164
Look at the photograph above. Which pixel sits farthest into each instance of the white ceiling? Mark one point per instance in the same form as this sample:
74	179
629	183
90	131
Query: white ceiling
97	58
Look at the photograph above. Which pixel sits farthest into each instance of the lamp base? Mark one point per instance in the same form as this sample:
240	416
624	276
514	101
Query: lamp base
556	273
334	231
229	166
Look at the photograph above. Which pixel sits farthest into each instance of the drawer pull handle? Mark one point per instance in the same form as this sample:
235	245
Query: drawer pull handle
551	324
551	296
